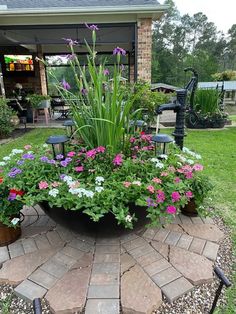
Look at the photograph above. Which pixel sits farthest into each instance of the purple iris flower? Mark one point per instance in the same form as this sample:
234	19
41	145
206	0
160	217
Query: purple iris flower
92	27
119	51
71	57
65	84
59	157
28	156
106	72
70	41
84	91
44	159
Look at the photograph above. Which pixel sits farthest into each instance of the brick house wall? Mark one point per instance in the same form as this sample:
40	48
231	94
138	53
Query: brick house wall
144	49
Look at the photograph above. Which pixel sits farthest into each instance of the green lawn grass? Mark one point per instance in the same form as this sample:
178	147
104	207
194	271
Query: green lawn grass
232	117
218	150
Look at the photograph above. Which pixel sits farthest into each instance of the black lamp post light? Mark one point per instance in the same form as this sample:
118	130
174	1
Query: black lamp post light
69	125
139	125
161	141
58	144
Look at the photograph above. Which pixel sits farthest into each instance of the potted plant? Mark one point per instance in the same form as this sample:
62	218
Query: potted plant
10	207
39	101
111	172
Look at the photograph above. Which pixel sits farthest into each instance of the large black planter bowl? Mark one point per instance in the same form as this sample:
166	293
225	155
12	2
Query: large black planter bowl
79	222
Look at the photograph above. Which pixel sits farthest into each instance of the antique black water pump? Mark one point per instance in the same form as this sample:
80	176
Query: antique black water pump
179	106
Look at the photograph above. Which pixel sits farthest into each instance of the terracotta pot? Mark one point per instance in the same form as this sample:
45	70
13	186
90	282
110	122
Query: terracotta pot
190	209
9	234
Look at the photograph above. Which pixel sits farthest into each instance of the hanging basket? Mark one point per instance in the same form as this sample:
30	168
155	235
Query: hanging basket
9	235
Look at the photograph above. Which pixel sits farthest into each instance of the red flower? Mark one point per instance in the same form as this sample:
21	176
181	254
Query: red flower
1	180
142	133
17	192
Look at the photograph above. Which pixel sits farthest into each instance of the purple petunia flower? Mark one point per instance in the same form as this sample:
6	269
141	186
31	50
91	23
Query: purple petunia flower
20	162
44	159
65	84
51	161
70	41
14	172
62	176
92	27
28	156
59	157
11	197
63	163
119	51
68	159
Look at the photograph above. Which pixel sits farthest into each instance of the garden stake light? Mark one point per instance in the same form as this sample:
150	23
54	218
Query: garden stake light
58	144
37	306
139	125
162	140
223	282
69	124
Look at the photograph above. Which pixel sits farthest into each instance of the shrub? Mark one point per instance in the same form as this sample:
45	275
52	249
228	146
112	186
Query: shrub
6	114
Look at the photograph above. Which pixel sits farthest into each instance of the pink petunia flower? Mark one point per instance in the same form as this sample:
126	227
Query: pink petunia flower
171	209
157	180
175	196
160	196
91	153
55	184
127	184
177	180
189	194
198	167
79	169
43	185
132	139
117	161
71	154
171	169
100	149
151	188
188	175
164	174
27	147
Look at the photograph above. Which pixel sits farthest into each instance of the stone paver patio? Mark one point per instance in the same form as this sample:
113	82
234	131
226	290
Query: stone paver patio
128	273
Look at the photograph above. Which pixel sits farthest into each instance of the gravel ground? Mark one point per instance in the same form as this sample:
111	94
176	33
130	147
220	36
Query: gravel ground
197	301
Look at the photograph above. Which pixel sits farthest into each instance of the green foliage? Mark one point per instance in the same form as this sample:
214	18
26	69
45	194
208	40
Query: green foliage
227	75
6	114
207	101
36	100
144	100
5	304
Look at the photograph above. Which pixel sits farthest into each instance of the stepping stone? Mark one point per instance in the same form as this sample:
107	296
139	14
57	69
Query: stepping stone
16	249
139	294
166	276
102	306
161	248
4	255
205	231
210	251
176	289
19	268
29	245
29	290
68	295
126	262
197	269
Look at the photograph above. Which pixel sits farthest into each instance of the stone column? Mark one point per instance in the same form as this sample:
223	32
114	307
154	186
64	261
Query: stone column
131	73
144	49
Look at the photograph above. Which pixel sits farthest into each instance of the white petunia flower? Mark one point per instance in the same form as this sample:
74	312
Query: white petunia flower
15	221
53	192
128	218
137	183
17	151
68	179
2	163
164	156
99	180
190	161
99	189
89	193
154	160
6	158
45	145
159	165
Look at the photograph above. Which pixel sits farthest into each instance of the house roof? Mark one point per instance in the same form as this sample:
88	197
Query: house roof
35	4
163	86
228	85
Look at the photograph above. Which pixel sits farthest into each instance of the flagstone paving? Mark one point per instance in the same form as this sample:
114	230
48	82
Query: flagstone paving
126	273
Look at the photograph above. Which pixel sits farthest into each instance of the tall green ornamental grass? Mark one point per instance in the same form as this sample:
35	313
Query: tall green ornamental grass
99	110
207	101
